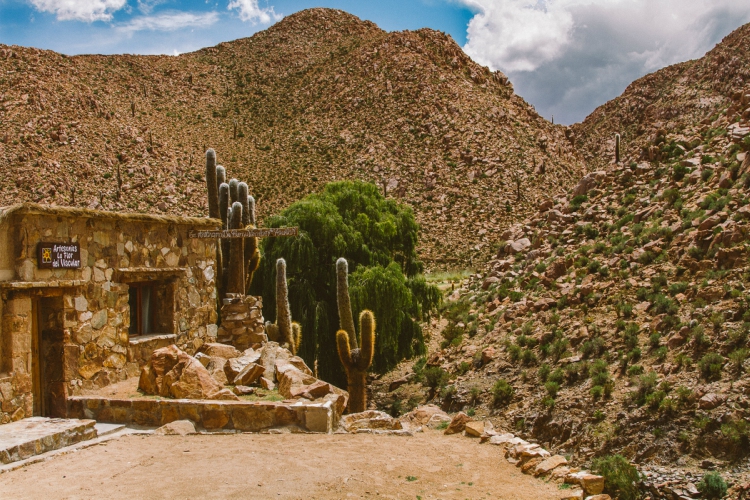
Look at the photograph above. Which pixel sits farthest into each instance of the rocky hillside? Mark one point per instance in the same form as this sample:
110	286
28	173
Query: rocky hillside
617	318
688	100
319	96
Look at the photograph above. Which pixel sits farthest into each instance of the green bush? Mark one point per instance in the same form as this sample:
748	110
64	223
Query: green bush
435	377
577	201
552	388
502	392
712	486
710	366
738	358
738	432
557	376
620	477
544	371
378	237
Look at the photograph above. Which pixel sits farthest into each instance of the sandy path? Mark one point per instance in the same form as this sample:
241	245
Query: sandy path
425	466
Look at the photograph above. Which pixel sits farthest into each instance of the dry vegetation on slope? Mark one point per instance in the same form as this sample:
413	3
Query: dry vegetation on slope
319	96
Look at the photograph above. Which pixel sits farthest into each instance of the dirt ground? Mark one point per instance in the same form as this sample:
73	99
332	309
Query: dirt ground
427	466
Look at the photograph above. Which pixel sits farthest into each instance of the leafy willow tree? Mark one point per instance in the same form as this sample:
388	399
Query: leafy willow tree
378	237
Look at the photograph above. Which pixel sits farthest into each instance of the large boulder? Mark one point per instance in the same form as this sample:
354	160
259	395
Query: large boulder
588	182
291	378
268	355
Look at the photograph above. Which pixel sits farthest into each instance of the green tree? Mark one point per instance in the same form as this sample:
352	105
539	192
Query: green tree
378	237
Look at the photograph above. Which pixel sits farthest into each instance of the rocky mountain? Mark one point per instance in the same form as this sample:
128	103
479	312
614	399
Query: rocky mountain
617	318
687	100
320	96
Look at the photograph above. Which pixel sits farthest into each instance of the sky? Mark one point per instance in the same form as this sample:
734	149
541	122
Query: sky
566	57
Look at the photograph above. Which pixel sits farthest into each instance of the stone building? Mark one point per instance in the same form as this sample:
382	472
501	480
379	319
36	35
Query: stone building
88	295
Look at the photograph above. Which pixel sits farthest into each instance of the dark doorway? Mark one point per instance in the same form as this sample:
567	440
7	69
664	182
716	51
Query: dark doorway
47	359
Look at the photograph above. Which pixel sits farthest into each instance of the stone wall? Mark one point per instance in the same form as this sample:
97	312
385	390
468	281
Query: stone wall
247	416
116	250
242	321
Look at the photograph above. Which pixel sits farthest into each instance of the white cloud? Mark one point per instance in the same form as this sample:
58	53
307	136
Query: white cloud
80	10
569	56
169	21
249	10
516	34
147	6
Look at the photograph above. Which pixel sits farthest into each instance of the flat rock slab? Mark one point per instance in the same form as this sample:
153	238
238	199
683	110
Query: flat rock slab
37	435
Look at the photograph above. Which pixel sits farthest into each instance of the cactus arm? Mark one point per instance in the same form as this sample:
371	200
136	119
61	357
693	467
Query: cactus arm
367	331
346	320
211	186
296	336
253	261
345	353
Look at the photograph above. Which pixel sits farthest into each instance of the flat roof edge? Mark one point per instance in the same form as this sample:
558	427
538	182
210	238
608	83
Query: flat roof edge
37	209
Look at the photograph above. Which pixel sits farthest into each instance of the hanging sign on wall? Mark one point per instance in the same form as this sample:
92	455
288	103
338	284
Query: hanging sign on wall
51	255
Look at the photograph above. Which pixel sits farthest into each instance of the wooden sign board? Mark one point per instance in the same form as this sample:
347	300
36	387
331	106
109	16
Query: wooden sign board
270	232
52	255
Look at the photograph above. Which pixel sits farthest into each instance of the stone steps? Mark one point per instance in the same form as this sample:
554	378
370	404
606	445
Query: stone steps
36	435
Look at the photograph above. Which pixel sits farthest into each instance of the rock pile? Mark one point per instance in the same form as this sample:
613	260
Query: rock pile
173	373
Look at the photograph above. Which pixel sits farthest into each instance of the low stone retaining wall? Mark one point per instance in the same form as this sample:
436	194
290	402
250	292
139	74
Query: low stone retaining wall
249	416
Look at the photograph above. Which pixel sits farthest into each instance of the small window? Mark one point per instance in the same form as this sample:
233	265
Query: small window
141	307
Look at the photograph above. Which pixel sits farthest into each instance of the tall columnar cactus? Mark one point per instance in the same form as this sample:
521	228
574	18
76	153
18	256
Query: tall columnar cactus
617	148
346	319
286	332
356	360
221	175
234	187
236	268
211	185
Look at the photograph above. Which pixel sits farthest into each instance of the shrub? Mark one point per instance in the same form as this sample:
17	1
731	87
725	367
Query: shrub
552	388
577	201
712	486
665	305
644	388
710	366
661	353
700	340
435	378
620	477
597	391
502	392
544	371
593	348
738	432
738	358
557	376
